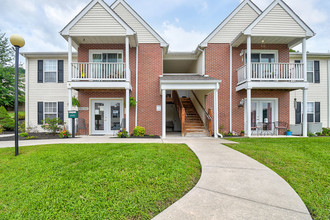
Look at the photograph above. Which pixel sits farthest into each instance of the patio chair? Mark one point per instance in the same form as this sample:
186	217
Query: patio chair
278	125
256	127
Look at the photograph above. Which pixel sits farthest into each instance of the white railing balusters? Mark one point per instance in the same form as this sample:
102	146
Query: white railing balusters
272	72
98	71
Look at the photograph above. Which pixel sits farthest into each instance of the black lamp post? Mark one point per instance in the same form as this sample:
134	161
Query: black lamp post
18	42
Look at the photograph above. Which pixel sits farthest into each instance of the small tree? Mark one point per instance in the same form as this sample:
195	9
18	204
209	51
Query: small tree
52	125
6	51
5	120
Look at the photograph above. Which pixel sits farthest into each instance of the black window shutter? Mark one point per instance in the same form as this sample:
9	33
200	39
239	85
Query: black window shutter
40	112
60	68
317	112
298	113
40	71
61	111
316	71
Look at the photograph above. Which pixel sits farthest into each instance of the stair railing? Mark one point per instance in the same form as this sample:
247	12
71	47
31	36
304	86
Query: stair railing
181	111
208	115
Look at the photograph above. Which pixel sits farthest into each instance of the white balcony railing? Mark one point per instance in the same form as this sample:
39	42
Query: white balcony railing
99	72
272	72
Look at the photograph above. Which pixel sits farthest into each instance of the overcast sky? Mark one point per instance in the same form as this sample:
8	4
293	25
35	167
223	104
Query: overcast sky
182	23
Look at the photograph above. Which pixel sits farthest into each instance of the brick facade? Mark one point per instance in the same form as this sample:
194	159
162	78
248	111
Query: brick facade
217	61
150	68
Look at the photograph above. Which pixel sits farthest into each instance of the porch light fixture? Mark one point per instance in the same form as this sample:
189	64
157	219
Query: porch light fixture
241	104
17	41
295	103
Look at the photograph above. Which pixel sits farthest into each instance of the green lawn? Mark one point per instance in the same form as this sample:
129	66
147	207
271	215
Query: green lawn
94	181
303	162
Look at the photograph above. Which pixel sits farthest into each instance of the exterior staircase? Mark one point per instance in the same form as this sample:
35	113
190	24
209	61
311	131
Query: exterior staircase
193	123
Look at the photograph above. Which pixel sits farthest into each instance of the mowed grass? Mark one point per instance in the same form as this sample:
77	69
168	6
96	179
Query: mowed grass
303	162
94	181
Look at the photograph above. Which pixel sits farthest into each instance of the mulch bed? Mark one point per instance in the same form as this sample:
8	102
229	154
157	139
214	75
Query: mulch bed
36	135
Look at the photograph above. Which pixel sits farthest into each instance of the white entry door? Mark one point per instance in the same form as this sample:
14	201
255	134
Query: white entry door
107	116
263	116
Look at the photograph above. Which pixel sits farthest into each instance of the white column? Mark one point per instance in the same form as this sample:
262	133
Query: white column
27	118
69	59
127	110
128	69
163	113
69	122
203	62
248	112
248	58
216	113
305	113
304	58
231	90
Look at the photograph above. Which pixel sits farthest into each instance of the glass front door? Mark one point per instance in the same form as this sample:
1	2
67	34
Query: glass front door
106	116
262	116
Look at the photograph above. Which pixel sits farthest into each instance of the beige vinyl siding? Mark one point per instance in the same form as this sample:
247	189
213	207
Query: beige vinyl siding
144	36
97	22
46	92
278	23
236	25
317	92
197	66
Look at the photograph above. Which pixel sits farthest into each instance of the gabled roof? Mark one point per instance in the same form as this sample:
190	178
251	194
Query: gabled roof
163	43
309	31
213	33
66	30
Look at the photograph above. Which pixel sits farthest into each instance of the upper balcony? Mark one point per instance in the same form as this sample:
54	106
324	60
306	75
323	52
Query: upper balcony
271	76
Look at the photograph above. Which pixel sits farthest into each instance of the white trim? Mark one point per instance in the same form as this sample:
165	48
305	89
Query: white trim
127	110
273	85
163	43
216	111
136	84
275	52
91	52
99	85
66	30
27	104
121	100
309	31
304	119
174	85
233	13
231	89
163	113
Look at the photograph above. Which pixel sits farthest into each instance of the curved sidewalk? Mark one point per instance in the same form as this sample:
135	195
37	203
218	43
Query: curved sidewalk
232	185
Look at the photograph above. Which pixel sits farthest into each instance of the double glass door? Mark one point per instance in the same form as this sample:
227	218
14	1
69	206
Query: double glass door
107	116
262	116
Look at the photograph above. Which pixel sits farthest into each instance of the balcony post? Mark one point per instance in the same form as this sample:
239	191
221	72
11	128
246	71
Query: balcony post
248	112
127	110
304	59
128	70
69	59
163	113
305	113
248	58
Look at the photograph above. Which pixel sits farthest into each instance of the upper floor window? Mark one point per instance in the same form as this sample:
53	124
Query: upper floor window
313	70
263	57
103	56
50	71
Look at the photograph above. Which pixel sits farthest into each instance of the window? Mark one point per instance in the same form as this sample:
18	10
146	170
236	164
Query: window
310	71
262	57
313	70
50	71
50	110
313	112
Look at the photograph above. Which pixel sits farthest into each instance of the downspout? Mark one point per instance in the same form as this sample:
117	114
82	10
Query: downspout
26	93
136	83
231	90
328	93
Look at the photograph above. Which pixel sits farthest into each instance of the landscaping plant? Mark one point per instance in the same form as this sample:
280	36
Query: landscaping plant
5	120
123	134
24	134
64	134
52	125
139	131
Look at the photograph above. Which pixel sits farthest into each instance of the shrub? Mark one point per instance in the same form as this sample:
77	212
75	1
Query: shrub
21	115
52	125
139	131
64	134
21	127
326	131
32	137
24	134
5	120
123	134
310	134
1	129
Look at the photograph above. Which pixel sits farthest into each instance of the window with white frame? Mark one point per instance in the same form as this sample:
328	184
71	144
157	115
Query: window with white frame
50	71
310	71
313	111
313	70
50	110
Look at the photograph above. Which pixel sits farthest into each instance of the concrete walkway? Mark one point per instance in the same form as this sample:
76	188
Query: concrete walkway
232	185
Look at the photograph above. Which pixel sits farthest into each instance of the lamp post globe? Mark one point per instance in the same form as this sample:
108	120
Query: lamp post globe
17	41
